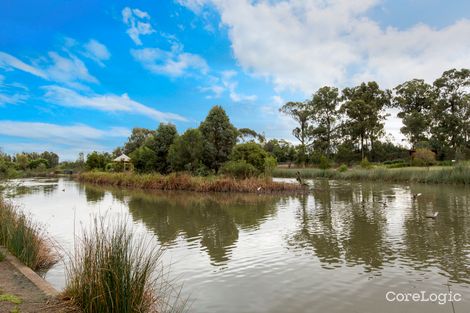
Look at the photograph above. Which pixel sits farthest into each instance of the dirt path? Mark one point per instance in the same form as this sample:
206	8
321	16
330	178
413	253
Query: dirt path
19	295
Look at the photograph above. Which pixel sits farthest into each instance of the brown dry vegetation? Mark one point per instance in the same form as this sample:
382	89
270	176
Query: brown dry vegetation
181	181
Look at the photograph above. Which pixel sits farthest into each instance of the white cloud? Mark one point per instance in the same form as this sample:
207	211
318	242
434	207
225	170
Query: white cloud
69	70
57	133
12	98
66	140
8	61
226	83
173	63
138	22
109	102
302	45
96	51
194	5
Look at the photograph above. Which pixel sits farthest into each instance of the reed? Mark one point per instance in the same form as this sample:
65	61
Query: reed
25	239
458	174
114	271
182	181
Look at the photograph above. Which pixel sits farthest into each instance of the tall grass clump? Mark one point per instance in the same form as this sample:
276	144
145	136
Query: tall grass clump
114	271
24	238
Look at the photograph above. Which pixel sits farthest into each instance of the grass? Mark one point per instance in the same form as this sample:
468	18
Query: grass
24	238
179	181
114	271
458	174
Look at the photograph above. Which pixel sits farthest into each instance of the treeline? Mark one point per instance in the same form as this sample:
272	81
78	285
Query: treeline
10	165
209	149
348	126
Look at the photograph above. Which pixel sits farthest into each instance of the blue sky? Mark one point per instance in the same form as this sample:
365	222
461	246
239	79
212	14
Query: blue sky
78	75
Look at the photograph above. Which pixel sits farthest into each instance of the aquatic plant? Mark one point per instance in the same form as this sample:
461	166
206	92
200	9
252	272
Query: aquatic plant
113	270
25	239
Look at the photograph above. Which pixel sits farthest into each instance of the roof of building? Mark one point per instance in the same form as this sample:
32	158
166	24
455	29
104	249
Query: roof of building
122	158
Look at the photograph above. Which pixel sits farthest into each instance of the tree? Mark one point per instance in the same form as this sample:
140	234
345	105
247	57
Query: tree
219	135
160	143
22	161
96	160
252	153
136	139
51	157
415	98
247	133
186	153
143	159
302	113
325	114
451	114
363	108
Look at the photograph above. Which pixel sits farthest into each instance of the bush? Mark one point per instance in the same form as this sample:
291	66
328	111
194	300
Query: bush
423	157
366	164
238	169
114	271
343	168
253	154
324	163
398	165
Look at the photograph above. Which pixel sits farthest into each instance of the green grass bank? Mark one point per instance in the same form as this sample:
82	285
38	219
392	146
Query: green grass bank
459	174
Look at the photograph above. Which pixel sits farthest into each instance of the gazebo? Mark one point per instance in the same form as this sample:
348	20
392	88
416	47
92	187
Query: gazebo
124	160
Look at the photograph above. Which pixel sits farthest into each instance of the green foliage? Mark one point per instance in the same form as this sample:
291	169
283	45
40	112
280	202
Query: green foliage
37	162
137	139
219	137
366	164
252	153
282	150
343	168
186	153
97	160
238	169
160	143
143	159
324	163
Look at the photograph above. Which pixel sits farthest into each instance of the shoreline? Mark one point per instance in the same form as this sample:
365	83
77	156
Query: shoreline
433	175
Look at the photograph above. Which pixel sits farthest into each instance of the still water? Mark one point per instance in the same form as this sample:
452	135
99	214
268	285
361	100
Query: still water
340	248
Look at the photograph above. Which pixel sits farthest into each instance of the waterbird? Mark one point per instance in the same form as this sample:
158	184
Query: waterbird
434	216
416	195
259	188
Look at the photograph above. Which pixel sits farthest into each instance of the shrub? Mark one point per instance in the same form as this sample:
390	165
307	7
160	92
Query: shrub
343	168
253	154
366	164
238	169
423	157
324	163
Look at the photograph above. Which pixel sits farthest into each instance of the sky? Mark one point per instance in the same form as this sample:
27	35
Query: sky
77	76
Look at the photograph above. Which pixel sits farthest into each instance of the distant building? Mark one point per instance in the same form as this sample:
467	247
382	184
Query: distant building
125	161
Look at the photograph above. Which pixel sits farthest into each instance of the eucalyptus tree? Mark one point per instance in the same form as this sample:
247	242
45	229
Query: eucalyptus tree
415	99
363	108
302	113
160	142
325	114
451	114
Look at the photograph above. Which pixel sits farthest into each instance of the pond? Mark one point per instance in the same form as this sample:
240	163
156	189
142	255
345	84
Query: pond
342	248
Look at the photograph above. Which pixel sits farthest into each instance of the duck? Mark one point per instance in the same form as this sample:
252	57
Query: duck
434	216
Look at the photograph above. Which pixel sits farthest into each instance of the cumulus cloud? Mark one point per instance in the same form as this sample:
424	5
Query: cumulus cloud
138	22
108	102
302	45
173	63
